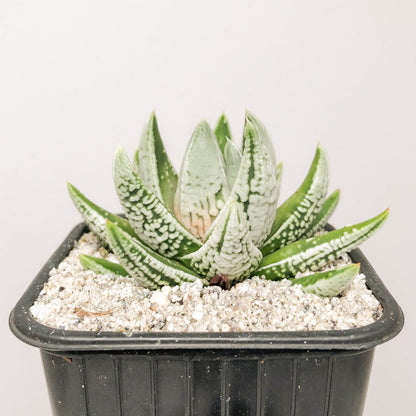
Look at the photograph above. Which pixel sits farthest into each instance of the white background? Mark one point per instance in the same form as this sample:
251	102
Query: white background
77	78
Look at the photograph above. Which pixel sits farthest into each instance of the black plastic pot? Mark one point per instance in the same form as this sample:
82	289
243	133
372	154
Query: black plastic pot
206	374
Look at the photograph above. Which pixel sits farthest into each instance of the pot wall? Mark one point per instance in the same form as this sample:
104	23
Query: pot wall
201	383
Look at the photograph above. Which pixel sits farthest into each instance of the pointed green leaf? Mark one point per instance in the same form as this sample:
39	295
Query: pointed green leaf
329	283
256	186
315	252
95	217
228	249
152	221
262	134
150	269
321	219
101	266
202	188
232	159
222	132
297	213
156	170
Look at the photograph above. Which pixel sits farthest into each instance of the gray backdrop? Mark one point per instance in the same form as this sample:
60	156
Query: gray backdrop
78	78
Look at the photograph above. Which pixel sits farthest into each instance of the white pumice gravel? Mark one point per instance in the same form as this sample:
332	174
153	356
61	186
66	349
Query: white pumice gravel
75	299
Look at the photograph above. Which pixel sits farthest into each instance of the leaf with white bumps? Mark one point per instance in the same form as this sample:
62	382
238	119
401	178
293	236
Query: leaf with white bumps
328	283
95	216
152	221
256	185
149	268
297	213
321	219
202	187
228	249
315	252
156	170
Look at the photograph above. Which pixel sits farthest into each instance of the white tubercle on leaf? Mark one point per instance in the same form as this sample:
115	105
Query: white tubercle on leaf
256	185
202	187
152	221
156	170
229	249
149	268
296	214
329	283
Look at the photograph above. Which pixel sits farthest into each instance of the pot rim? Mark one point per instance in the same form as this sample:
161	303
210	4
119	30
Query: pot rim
27	329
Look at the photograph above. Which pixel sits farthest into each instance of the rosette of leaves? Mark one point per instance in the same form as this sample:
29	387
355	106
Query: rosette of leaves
218	219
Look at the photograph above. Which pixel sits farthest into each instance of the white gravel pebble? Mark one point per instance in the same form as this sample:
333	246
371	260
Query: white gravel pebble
75	299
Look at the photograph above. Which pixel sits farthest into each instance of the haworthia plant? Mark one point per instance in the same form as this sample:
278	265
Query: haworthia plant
219	218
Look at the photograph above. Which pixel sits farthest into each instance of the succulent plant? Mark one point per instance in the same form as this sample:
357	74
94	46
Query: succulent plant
219	219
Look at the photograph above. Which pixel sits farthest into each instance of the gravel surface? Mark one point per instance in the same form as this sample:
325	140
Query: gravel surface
75	299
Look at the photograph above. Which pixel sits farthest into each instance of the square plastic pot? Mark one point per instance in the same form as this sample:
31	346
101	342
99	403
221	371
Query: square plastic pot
289	373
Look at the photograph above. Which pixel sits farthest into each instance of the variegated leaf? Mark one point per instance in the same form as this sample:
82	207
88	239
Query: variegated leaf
156	170
101	266
262	134
222	132
149	268
315	252
255	186
232	158
321	219
297	213
202	188
329	283
228	249
152	221
95	216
